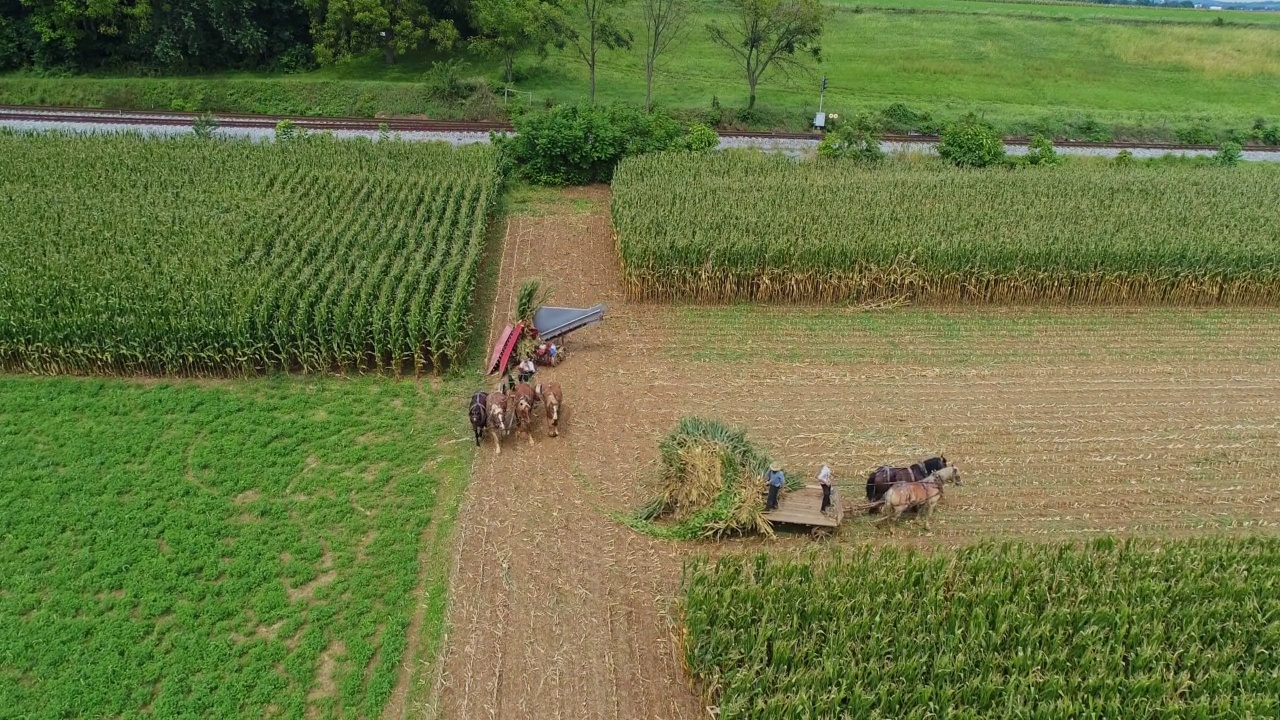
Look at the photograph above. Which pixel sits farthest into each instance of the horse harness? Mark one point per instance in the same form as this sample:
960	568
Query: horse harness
931	479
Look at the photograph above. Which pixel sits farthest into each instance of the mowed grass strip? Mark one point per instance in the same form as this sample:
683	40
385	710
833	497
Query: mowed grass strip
123	254
1058	68
745	226
226	550
1116	630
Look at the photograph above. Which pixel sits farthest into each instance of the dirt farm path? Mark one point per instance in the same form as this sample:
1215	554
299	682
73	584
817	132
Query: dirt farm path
556	611
1066	425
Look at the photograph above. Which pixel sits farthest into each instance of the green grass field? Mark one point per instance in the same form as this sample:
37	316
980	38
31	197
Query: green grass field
251	549
1144	72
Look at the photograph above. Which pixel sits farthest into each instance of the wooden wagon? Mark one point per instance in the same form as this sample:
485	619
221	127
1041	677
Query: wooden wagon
803	507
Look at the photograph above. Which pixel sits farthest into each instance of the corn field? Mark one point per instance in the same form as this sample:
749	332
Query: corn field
1109	630
739	226
121	254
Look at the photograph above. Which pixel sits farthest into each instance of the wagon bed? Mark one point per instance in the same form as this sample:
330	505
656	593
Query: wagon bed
802	507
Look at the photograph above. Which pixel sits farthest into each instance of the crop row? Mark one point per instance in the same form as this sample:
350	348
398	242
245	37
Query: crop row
1111	630
130	255
741	226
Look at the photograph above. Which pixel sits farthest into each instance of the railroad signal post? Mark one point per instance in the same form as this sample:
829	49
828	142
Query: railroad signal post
820	120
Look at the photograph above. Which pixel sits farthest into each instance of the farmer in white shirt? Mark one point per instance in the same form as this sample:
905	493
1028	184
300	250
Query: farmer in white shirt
527	369
824	478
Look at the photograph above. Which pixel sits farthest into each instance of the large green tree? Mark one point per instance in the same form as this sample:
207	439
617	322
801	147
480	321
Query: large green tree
346	28
770	34
506	28
170	35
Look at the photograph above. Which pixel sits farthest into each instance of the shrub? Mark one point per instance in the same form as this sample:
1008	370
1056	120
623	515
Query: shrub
971	143
1197	134
1268	134
447	81
898	118
1089	129
700	138
1124	157
582	144
1229	153
1041	152
204	126
858	140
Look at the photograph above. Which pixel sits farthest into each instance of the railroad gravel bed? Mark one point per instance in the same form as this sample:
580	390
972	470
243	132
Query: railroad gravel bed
795	148
789	146
257	133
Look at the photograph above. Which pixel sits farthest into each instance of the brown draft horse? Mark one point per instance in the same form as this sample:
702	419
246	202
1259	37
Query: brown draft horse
923	494
498	418
525	398
550	396
883	477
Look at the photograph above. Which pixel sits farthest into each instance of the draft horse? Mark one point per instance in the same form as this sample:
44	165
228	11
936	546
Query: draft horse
499	418
478	412
922	494
884	477
525	397
550	396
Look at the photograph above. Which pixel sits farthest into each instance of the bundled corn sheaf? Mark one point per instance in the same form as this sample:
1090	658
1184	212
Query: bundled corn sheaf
123	254
711	483
1182	629
738	226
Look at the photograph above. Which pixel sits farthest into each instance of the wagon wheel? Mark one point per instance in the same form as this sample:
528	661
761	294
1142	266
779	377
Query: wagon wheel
820	533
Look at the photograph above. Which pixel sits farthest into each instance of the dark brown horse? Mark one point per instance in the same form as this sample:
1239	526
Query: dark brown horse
478	413
883	477
550	396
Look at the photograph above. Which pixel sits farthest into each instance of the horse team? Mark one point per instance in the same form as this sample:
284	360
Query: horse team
918	486
501	412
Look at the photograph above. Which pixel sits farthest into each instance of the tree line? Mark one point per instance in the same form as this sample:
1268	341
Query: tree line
183	36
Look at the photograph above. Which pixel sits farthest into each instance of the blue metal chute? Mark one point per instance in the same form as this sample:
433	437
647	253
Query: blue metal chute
555	322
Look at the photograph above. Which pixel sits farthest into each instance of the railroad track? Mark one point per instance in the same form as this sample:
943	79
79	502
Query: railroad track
403	124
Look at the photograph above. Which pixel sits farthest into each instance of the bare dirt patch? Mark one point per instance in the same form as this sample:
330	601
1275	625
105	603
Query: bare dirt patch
554	608
248	496
1066	424
325	685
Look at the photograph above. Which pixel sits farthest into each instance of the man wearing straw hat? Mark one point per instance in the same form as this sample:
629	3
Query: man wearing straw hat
775	484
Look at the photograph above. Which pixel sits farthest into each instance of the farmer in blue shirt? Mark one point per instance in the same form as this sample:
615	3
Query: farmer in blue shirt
775	484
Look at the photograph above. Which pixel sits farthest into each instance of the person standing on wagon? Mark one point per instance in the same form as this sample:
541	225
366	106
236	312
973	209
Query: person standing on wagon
824	479
527	369
776	480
